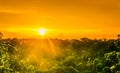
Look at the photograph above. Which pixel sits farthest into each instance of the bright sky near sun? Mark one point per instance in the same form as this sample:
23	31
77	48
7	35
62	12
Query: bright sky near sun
42	31
60	17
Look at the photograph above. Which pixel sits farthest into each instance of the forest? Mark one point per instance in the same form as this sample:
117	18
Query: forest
49	55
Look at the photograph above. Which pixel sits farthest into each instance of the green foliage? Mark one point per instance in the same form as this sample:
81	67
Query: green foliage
76	56
109	64
10	58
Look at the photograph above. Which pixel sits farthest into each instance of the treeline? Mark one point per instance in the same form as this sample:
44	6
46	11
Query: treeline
75	56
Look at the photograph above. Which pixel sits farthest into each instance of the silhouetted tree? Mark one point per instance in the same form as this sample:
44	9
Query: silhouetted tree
1	35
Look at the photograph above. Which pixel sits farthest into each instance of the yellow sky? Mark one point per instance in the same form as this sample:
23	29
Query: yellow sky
73	17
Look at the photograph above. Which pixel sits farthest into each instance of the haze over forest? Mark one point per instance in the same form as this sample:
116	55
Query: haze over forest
59	36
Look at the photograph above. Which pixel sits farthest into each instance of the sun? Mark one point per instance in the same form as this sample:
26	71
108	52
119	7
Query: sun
42	31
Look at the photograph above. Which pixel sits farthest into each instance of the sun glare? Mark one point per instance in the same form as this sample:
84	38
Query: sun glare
42	31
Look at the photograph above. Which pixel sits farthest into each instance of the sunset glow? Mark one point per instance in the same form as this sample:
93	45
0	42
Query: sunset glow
42	31
59	36
64	17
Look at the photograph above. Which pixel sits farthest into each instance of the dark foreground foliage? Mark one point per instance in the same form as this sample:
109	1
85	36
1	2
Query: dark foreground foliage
78	56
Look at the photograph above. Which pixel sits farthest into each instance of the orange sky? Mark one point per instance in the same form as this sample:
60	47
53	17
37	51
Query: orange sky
92	18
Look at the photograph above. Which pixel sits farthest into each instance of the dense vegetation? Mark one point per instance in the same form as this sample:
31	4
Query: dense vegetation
75	56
